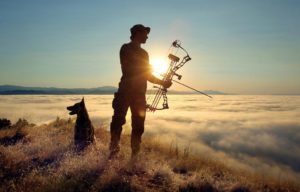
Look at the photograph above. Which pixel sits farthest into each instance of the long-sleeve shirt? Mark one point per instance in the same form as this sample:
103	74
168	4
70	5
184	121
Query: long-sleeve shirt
136	69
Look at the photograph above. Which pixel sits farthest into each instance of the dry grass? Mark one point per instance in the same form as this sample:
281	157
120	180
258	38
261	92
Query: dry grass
44	160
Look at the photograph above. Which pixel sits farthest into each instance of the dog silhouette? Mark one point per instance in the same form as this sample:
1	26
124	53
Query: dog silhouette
84	130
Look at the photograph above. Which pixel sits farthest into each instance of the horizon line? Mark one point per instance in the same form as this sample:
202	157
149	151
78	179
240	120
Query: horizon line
180	91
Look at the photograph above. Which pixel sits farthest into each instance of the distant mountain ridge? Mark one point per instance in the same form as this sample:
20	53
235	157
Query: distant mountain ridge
16	90
22	90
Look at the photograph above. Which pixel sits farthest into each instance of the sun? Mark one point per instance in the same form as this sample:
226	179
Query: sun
159	66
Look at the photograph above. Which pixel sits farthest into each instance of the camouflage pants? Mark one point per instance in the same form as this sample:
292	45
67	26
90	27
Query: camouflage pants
137	105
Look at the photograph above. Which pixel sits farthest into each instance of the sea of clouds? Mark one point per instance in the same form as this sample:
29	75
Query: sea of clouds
259	133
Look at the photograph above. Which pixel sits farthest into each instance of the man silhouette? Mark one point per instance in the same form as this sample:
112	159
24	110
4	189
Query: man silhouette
136	71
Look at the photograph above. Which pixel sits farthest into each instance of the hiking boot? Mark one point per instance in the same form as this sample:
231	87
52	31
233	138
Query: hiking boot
134	153
114	150
135	146
113	154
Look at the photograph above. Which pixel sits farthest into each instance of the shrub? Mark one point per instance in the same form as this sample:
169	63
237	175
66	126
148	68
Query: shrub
5	123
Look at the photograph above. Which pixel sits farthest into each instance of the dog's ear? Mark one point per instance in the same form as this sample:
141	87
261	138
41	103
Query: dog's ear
82	101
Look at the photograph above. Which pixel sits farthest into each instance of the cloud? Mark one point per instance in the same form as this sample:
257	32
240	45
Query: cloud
269	144
260	131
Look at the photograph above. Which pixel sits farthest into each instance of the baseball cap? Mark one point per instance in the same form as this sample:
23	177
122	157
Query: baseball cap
139	27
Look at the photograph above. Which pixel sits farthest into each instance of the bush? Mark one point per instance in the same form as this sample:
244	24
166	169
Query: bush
199	187
5	123
21	123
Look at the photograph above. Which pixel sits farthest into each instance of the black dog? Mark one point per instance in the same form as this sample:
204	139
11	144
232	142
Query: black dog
84	130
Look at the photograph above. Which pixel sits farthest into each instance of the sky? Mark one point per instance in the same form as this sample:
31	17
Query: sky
237	46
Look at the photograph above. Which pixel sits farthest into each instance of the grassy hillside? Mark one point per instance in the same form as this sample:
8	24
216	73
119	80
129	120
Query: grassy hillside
41	158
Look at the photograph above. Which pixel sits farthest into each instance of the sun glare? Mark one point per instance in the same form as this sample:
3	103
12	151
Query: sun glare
159	66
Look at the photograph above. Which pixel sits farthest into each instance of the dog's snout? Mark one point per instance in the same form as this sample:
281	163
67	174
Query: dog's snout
71	109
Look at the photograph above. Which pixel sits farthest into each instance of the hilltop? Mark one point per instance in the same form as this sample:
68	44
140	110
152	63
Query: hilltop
41	158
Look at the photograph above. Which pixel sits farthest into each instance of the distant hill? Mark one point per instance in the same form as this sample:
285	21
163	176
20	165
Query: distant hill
16	90
21	90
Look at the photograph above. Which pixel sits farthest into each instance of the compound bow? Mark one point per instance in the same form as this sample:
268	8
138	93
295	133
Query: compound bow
175	64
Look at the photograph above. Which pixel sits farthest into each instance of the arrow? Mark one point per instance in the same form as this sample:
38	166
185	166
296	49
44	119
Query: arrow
192	88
